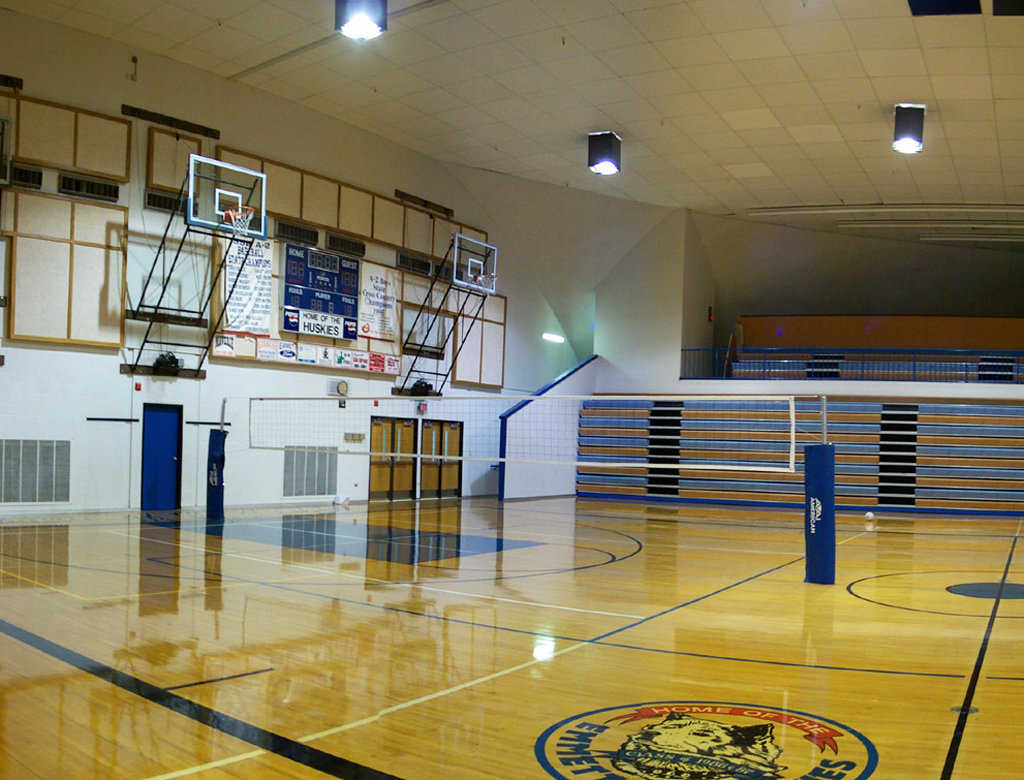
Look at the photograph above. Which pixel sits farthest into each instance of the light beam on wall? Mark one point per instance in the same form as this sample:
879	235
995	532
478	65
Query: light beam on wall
554	338
361	19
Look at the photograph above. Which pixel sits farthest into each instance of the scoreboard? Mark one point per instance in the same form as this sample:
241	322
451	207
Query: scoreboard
321	293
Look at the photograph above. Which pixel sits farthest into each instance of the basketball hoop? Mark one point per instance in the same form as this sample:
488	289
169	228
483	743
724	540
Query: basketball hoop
239	219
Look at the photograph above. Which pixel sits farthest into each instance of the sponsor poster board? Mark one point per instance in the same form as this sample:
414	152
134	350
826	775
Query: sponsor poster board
308	354
378	313
224	345
266	349
249	307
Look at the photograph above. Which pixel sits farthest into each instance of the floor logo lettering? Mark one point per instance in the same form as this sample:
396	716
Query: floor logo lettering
696	740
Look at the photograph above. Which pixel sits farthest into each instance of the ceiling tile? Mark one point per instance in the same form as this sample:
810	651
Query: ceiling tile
883	33
775	70
787	12
957	61
457	33
708	77
751	119
831	66
612	90
752	44
530	80
684	52
569	11
1004	30
751	170
893	62
701	124
668	21
903	89
837	90
727	15
803	115
634	60
768	136
580	69
955	30
961	87
1009	111
659	83
710	142
1006	60
404	47
966	110
480	90
688	103
815	134
737	99
607	32
792	154
548	45
817	37
795	94
514	17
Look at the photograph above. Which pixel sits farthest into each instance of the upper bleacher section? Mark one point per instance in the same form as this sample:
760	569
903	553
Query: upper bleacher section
904	349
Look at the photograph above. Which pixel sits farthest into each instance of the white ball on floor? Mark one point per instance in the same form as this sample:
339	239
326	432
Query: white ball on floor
869	515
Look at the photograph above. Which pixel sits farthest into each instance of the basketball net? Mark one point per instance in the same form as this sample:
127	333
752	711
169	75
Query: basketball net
239	219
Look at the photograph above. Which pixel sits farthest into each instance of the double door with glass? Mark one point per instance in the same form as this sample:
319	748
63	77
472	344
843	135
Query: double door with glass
440	469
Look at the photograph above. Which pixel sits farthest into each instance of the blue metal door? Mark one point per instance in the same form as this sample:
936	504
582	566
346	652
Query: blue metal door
161	457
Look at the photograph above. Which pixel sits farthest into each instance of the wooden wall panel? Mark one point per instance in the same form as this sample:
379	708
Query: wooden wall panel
39	215
419	231
45	134
42	274
492	358
388	221
96	285
443	233
239	158
284	190
467	367
494	308
168	158
99	225
319	200
101	146
355	213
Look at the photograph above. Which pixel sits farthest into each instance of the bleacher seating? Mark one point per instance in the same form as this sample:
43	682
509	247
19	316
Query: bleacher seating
904	453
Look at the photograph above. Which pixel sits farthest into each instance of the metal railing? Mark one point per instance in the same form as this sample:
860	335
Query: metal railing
904	365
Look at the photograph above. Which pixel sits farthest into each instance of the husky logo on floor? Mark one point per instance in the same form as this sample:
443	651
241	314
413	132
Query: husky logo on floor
679	740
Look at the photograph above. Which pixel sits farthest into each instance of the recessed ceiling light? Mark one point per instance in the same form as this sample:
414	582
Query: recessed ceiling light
908	128
604	153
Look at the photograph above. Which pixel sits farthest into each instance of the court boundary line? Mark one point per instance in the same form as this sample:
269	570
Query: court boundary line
219	679
965	708
336	766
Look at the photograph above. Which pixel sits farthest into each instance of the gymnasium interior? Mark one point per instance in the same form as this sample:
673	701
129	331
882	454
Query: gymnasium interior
511	389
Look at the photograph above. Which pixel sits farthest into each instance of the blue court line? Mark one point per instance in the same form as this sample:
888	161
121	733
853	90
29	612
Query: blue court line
694	601
234	727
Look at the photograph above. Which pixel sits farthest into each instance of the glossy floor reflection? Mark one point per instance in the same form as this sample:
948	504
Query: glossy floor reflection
548	638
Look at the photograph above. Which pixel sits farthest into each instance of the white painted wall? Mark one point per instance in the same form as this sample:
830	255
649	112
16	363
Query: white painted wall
639	312
547	430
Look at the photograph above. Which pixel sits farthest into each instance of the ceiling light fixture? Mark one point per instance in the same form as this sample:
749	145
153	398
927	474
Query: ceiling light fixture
908	129
604	153
554	338
361	19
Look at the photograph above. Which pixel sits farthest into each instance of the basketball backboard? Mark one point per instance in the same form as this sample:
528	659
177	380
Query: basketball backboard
475	264
216	187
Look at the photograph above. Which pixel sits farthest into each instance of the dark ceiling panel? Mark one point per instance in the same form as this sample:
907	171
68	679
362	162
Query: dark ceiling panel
944	7
1008	8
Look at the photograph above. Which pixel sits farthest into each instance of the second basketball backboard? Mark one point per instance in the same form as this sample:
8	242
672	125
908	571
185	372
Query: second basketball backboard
216	187
475	264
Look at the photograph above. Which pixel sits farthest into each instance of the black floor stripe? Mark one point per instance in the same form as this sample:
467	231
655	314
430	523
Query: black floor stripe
218	679
965	708
247	732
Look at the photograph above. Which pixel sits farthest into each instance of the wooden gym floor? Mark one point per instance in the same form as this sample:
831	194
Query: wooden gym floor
547	638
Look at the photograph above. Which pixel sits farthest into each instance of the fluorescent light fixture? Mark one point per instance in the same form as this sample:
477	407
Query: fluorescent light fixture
554	338
361	19
604	153
908	128
826	211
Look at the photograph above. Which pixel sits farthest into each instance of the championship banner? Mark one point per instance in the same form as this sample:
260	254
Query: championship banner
378	290
248	310
321	293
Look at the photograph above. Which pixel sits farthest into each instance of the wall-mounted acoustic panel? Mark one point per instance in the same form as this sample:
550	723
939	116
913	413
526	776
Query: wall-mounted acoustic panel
467	365
388	221
99	225
319	200
494	308
284	190
444	232
96	287
355	213
43	216
45	134
42	274
101	146
419	231
168	158
492	357
472	232
5	150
